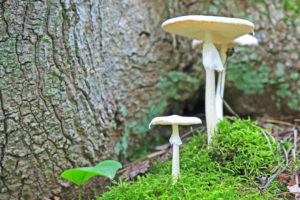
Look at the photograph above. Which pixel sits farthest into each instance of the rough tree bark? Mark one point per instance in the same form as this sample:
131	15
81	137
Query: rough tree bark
79	79
71	73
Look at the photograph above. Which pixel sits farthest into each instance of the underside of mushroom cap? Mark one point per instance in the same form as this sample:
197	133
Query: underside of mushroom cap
175	119
245	40
222	29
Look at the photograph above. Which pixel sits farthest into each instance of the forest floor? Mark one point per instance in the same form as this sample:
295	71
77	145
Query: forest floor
282	129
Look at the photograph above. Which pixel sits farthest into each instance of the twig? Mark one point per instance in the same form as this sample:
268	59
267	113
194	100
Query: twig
270	146
271	178
188	133
230	109
273	121
285	154
283	193
271	136
286	138
255	184
294	154
158	153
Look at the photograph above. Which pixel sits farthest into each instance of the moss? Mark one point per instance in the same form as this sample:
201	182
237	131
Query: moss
243	141
243	73
215	173
155	110
6	15
139	128
292	6
252	78
9	59
122	144
123	110
178	85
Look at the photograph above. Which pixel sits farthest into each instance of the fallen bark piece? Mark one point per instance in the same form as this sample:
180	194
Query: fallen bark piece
136	169
283	177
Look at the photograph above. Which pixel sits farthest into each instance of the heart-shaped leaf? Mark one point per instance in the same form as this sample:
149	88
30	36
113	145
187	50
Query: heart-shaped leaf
107	168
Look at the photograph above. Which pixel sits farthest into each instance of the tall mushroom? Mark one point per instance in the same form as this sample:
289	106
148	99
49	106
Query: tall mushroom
212	30
175	140
245	40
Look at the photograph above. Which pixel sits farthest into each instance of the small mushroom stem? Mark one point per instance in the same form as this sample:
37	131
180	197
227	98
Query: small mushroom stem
221	85
175	142
175	162
210	110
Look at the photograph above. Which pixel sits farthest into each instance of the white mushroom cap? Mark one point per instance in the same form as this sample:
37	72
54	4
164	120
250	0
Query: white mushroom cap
245	40
175	119
222	29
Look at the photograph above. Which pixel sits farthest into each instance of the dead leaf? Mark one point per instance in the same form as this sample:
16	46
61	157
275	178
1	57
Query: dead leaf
283	177
136	169
162	147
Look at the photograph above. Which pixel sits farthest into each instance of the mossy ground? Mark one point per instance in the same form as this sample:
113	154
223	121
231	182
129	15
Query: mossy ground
216	173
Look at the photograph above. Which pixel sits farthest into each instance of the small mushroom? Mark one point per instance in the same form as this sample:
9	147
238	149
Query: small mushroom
245	40
175	140
212	30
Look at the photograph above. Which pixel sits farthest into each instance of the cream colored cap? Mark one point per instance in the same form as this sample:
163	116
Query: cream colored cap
175	119
245	40
222	29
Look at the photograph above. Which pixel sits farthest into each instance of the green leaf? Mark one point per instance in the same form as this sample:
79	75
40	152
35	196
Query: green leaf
107	168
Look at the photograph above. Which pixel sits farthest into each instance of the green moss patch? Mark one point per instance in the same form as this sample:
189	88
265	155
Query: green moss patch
216	173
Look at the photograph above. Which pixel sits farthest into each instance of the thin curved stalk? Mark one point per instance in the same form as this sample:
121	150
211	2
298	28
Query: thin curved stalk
221	86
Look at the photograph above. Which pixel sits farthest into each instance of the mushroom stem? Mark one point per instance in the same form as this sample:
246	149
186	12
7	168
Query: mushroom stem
175	142
175	163
210	110
221	85
211	61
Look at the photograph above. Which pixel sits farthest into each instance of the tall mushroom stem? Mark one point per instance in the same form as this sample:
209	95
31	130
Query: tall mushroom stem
211	61
210	110
221	85
175	142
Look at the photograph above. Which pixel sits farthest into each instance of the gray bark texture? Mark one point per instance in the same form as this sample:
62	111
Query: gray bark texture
81	79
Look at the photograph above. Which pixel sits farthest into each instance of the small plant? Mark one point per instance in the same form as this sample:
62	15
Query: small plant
79	176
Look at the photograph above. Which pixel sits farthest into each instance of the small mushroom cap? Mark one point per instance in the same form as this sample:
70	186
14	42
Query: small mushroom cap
175	119
222	29
245	40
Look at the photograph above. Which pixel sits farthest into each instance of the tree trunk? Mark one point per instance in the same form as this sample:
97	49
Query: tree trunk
81	80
